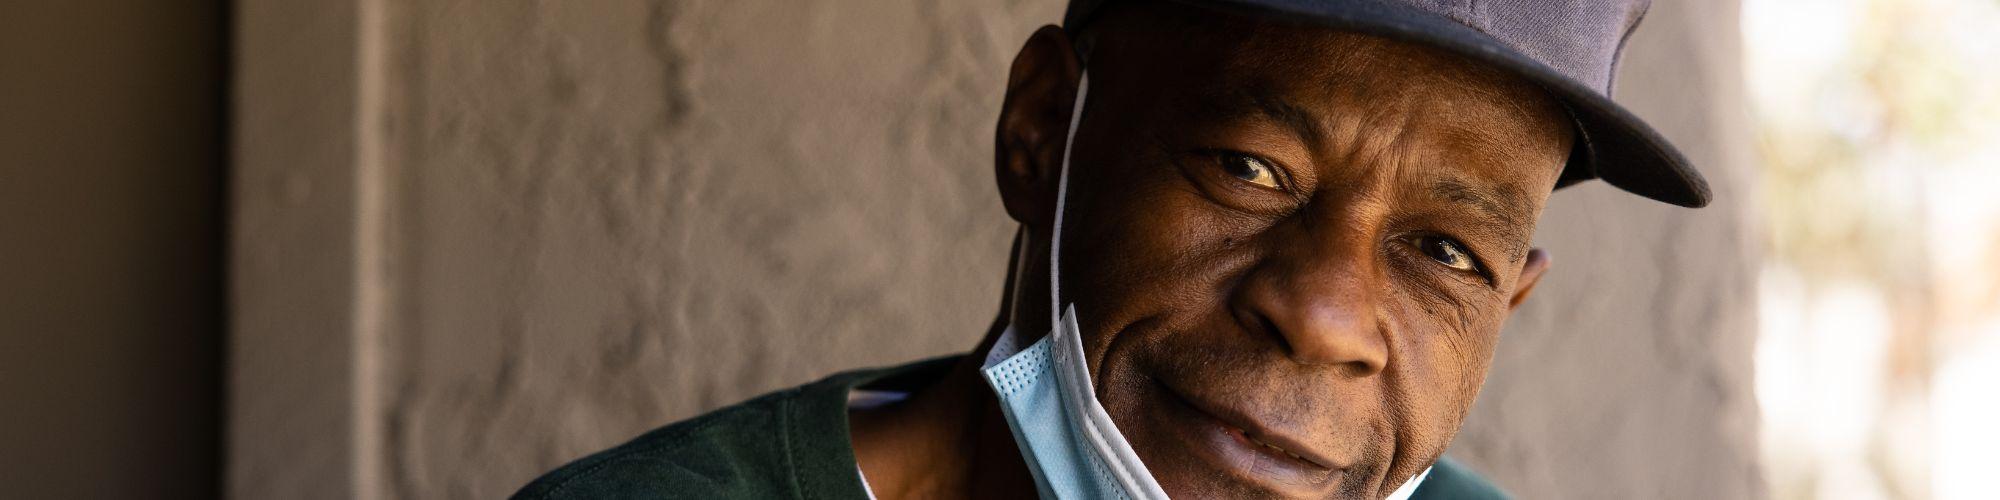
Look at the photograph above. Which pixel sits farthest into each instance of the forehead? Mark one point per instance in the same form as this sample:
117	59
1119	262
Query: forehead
1364	96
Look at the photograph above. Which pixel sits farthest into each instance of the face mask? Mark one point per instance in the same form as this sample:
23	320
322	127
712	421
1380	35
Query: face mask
1070	444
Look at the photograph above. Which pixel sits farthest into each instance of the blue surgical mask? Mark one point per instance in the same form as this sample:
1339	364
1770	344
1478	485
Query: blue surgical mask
1071	447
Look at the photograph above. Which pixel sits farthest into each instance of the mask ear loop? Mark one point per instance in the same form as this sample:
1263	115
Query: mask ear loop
1006	345
1020	267
1062	194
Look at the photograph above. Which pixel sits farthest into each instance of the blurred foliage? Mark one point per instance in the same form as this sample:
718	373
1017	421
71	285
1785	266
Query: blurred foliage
1842	156
1872	117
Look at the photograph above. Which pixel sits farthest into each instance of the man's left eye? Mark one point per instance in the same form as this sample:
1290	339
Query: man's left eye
1250	169
1447	251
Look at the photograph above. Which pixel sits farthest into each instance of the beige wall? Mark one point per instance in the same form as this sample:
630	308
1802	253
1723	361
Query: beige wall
111	175
556	225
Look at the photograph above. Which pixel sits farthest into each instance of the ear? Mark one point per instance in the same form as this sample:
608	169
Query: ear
1531	273
1034	124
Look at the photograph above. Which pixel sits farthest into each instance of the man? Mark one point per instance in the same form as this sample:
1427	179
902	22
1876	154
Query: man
1266	249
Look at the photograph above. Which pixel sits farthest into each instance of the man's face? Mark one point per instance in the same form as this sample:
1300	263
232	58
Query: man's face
1292	250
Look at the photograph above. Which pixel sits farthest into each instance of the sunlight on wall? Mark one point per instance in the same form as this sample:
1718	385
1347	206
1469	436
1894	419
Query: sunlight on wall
1878	358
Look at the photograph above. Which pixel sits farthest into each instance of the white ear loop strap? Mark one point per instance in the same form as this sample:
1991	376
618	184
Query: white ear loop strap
1062	195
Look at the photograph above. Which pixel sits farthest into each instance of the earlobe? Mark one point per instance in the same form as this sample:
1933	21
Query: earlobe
1034	121
1531	273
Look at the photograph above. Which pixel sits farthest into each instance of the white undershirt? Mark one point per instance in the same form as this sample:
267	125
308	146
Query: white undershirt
864	482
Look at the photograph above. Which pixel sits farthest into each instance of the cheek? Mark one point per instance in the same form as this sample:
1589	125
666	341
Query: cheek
1450	326
1146	247
1443	349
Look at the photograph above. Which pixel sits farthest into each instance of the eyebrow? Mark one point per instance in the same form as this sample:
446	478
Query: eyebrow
1506	215
1244	101
1292	116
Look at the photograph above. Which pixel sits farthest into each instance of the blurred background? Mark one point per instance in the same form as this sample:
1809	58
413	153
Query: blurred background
1878	138
433	248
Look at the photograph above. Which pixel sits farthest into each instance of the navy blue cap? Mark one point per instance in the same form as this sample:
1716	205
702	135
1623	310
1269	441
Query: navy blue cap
1569	47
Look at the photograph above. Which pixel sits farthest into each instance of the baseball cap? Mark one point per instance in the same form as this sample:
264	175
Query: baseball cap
1568	47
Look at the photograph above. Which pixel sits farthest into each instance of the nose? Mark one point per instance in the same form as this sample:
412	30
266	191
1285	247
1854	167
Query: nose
1320	301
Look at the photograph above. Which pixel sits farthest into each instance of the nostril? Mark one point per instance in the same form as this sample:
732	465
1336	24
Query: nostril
1359	369
1268	327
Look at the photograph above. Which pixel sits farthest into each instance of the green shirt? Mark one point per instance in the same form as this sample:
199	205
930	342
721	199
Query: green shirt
794	444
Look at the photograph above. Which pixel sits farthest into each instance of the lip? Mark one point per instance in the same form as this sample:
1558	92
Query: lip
1249	444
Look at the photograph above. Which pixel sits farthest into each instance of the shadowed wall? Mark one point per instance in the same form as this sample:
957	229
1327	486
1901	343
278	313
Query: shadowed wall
579	221
111	299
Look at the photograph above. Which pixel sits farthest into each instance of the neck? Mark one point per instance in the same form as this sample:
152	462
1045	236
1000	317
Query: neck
948	440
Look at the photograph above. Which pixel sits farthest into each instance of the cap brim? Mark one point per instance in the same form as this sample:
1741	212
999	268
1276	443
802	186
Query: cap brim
1612	143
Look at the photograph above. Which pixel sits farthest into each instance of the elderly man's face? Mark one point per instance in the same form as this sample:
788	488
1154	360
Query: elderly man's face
1291	249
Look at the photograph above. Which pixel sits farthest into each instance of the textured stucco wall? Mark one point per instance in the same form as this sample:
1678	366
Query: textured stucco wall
616	214
601	217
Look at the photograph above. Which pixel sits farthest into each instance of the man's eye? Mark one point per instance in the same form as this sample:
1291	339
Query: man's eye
1250	169
1448	252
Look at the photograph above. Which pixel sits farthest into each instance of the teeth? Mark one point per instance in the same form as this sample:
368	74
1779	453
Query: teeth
1276	449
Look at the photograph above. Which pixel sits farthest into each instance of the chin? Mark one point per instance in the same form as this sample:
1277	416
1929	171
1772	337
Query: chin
1195	454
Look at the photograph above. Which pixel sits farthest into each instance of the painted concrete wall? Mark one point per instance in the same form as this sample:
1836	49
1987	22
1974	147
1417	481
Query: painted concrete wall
590	219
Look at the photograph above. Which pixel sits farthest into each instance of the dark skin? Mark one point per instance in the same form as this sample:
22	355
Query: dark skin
1291	251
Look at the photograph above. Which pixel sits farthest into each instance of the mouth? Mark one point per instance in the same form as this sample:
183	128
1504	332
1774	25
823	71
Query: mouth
1247	444
1272	449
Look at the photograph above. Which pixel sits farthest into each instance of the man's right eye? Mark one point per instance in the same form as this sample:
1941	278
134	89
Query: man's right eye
1250	169
1450	253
